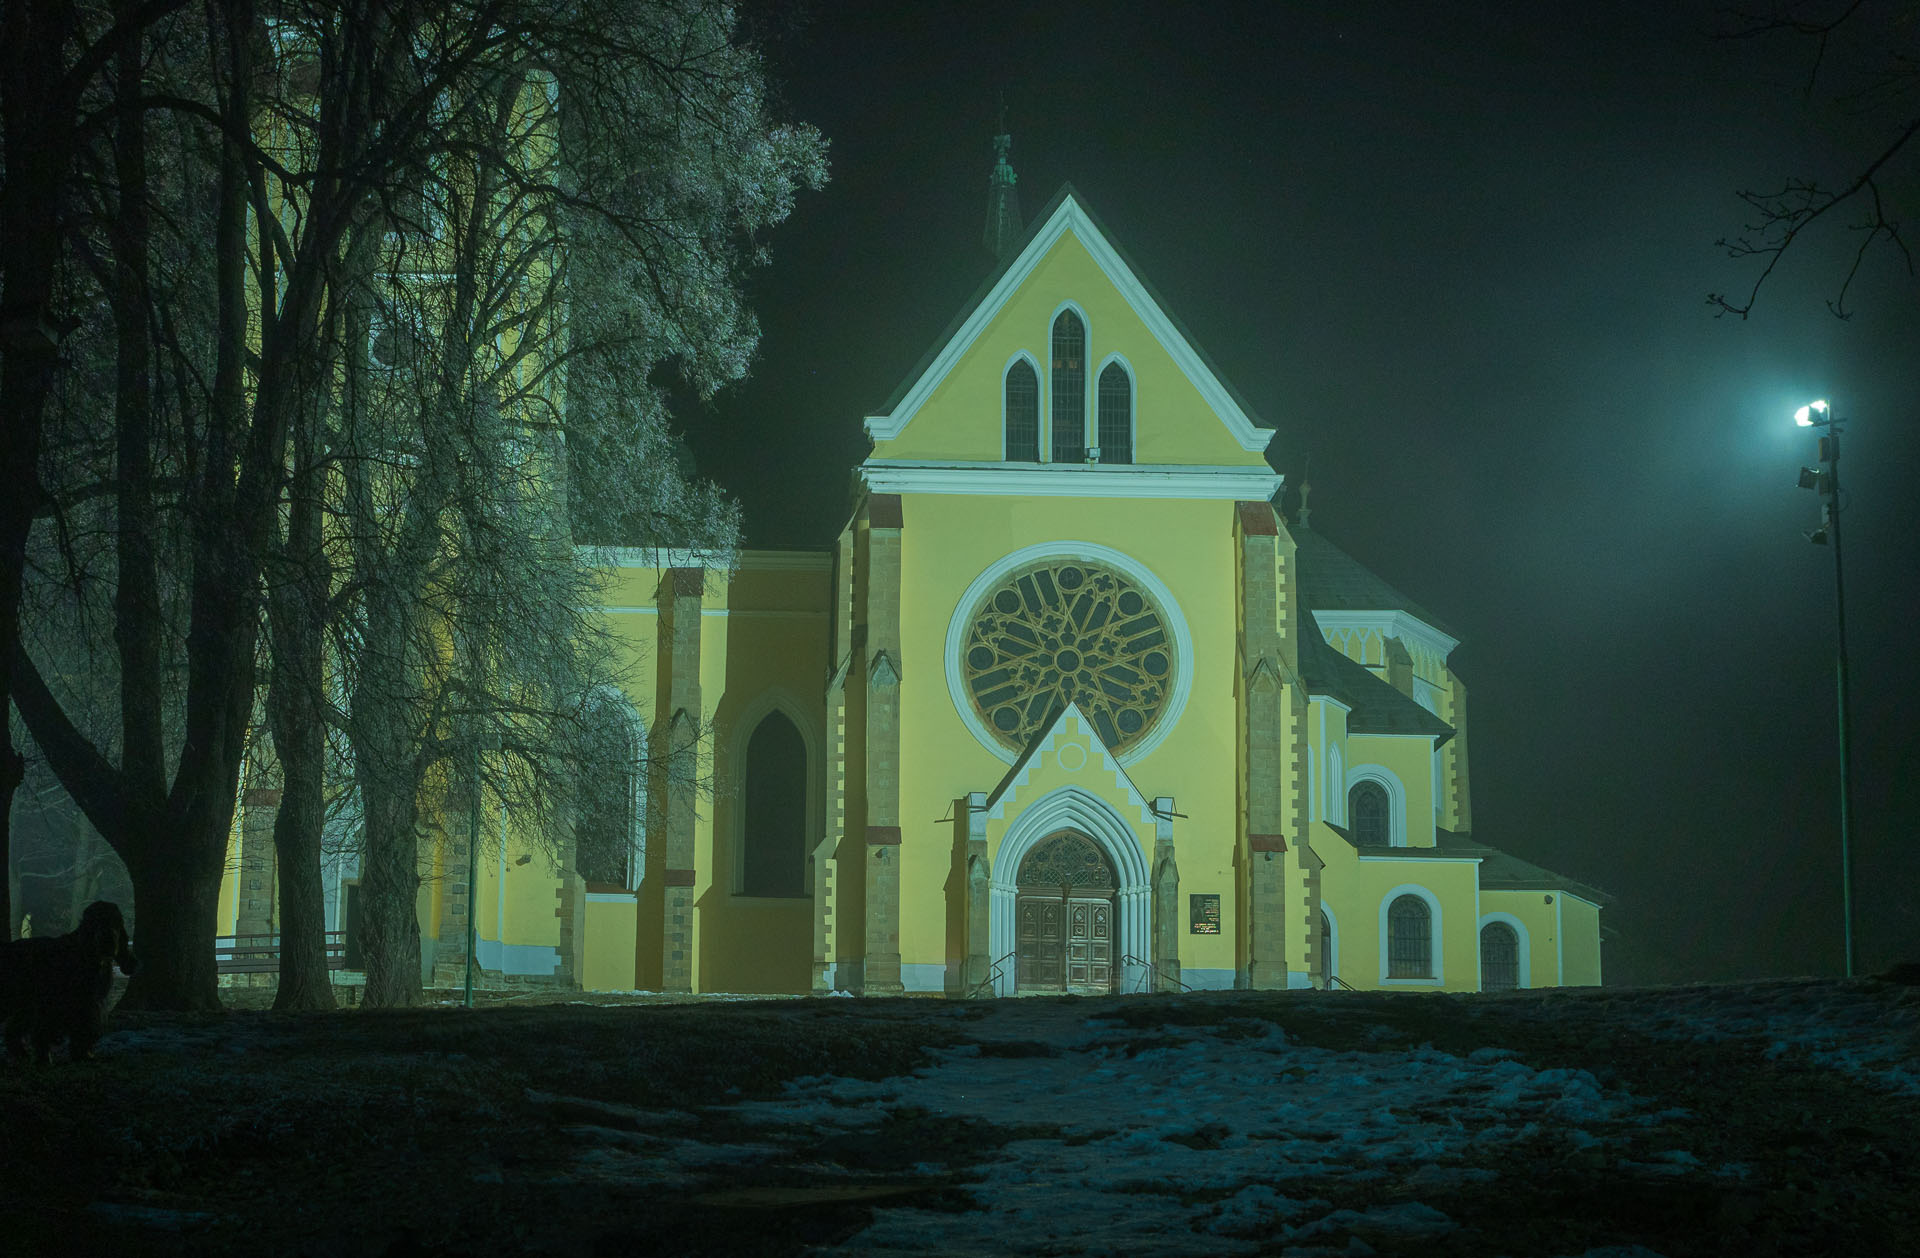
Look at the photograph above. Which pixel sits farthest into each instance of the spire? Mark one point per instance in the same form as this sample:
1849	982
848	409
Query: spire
1004	224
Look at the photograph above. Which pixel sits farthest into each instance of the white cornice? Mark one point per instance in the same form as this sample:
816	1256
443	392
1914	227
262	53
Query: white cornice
1071	217
1071	480
1390	624
785	561
661	557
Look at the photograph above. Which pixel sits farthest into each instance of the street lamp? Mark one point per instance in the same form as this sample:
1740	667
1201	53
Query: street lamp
478	744
1825	481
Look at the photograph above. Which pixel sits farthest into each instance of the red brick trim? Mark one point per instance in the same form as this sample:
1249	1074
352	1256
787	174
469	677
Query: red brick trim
883	511
886	835
688	582
680	877
262	797
1266	843
1256	519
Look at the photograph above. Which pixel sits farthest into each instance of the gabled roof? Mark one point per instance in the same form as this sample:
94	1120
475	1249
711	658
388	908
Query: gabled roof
1375	706
1333	580
1503	871
1064	213
1016	774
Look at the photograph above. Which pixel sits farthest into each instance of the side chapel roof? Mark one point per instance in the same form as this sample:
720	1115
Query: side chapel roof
1333	580
1376	706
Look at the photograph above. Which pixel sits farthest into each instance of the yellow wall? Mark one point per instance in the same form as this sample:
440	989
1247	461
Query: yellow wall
1355	890
1535	912
962	418
611	921
946	542
1579	940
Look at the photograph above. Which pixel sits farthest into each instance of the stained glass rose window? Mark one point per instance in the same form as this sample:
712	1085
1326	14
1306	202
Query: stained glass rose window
1067	631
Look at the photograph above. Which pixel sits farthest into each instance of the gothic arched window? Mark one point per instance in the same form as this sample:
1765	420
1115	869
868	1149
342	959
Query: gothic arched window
1022	413
1370	814
1116	415
1409	938
1069	389
773	849
609	833
1499	958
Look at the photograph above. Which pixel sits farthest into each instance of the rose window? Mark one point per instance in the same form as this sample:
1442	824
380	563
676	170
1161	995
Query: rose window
1068	631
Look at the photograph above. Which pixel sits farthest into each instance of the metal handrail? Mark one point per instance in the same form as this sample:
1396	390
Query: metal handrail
1334	980
994	975
1151	968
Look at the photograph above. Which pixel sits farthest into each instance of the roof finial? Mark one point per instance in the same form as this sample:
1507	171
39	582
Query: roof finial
1004	224
1306	487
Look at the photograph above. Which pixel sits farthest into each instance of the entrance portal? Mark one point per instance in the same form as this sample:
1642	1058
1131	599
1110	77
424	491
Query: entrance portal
1064	917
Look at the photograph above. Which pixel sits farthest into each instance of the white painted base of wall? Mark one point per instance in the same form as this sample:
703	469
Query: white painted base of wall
919	977
1207	980
518	958
1299	981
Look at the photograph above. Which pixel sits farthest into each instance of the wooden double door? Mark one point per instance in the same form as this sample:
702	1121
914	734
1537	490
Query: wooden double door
1064	918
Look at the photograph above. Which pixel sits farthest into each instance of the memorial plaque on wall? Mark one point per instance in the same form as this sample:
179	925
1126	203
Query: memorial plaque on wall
1206	914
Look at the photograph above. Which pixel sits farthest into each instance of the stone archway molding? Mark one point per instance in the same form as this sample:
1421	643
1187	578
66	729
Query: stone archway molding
1074	808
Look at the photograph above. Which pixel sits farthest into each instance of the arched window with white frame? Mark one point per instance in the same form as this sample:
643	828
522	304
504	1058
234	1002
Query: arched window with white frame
1021	409
1370	814
1114	429
1499	958
1409	938
1067	409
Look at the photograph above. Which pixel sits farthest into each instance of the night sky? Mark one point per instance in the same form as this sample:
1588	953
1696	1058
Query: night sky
1459	257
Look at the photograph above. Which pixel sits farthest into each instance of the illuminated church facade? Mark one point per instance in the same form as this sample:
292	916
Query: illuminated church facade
1069	706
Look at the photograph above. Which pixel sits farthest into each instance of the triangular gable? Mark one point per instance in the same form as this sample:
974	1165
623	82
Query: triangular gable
1065	214
1070	724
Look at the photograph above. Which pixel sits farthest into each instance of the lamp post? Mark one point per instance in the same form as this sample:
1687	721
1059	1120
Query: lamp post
1825	481
480	743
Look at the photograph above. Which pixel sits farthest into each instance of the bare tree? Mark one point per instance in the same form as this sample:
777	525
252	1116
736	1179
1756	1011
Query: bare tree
1863	67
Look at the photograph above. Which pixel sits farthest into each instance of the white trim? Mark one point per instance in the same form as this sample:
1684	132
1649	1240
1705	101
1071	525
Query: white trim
1079	810
1331	964
1313	786
744	723
1040	427
1559	946
610	897
658	557
1425	860
1071	480
1437	953
1336	784
1008	791
1070	216
1086	382
1389	623
1396	798
1133	404
1093	552
1525	955
784	561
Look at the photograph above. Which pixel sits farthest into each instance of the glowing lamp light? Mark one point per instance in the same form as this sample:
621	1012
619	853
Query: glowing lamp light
1804	416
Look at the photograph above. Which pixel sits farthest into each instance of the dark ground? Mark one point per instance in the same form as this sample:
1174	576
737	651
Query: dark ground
442	1131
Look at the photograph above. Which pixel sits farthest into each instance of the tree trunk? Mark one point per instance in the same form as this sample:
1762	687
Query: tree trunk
178	902
389	893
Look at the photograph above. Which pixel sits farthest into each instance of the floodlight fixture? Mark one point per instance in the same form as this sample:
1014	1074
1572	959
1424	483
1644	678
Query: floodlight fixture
1805	415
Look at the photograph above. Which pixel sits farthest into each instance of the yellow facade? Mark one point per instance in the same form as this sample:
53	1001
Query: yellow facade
1109	695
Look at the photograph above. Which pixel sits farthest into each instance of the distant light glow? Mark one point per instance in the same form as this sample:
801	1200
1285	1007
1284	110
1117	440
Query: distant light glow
1804	416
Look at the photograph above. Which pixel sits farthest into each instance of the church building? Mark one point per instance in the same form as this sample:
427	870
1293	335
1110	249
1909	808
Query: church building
1068	707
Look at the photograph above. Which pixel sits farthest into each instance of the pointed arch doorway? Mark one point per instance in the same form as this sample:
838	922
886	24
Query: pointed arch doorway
1064	916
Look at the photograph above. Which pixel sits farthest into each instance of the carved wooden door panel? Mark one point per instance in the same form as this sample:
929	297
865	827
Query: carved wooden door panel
1039	960
1064	917
1090	945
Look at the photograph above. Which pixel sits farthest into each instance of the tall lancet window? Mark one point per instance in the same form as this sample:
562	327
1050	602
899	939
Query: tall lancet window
1069	389
1023	413
1116	415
